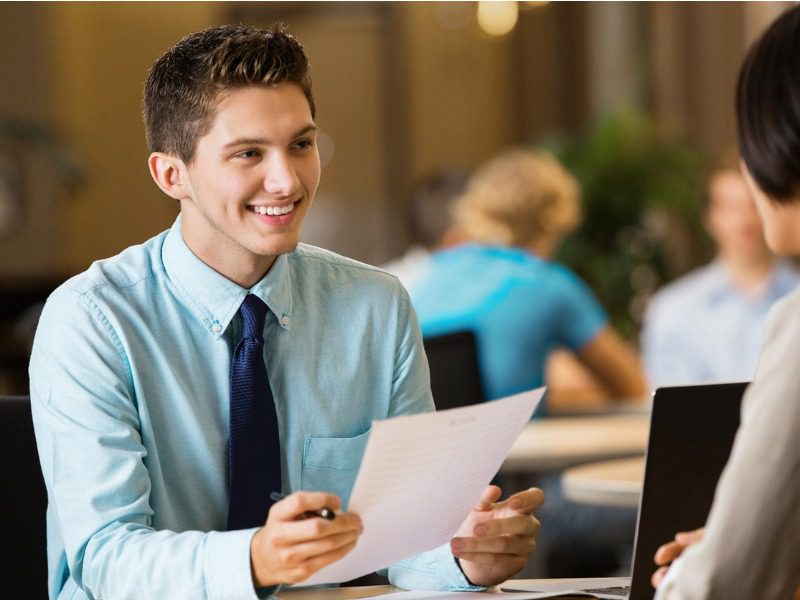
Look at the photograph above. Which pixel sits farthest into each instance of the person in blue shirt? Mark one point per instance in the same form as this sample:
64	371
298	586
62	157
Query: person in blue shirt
501	284
708	326
131	363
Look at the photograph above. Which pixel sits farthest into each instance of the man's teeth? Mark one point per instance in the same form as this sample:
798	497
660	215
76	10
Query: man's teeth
273	210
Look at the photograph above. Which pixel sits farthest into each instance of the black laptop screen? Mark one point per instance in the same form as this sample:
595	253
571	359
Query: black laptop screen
692	430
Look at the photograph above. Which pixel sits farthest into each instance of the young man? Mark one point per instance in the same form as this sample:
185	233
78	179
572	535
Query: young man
709	325
136	360
749	547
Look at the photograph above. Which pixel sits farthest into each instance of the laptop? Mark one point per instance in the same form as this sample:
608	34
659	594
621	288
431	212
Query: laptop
692	429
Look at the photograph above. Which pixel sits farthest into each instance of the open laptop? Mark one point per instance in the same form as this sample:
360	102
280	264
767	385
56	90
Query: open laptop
692	429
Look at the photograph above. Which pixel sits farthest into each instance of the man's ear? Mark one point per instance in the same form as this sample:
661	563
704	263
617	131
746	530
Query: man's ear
169	173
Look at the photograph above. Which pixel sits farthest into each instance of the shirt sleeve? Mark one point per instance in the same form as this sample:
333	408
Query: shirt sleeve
581	315
94	466
436	569
753	531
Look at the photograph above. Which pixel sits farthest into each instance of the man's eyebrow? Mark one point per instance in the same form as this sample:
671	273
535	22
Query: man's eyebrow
264	141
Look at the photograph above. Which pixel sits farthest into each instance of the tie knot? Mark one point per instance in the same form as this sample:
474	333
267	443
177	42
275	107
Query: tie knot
254	313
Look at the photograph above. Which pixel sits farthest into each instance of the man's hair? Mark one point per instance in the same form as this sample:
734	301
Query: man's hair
184	85
519	198
768	108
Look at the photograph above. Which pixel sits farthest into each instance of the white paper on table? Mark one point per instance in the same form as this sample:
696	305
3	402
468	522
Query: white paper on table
538	590
420	477
421	595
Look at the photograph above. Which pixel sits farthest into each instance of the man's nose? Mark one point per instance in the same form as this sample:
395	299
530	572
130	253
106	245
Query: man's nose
280	177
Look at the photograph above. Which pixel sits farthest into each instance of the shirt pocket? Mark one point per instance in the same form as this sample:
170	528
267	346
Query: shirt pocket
331	464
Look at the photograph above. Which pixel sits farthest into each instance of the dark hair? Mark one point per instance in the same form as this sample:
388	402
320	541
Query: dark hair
768	108
429	210
183	86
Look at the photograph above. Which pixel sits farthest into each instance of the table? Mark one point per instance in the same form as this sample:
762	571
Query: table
352	593
607	483
554	443
348	593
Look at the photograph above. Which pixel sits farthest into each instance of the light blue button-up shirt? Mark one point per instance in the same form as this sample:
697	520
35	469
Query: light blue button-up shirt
129	390
702	328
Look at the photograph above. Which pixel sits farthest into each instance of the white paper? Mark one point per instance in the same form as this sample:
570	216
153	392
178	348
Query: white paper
420	595
537	589
420	477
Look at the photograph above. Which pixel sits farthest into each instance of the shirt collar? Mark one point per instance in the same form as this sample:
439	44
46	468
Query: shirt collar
781	280
214	298
718	284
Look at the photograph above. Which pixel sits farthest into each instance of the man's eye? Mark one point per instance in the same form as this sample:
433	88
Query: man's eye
303	144
249	154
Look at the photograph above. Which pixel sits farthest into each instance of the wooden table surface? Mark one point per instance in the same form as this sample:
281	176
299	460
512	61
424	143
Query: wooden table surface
560	442
606	483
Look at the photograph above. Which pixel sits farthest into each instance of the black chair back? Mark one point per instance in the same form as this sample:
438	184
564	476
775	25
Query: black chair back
455	375
23	503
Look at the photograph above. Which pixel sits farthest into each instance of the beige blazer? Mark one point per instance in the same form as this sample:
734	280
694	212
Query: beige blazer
751	548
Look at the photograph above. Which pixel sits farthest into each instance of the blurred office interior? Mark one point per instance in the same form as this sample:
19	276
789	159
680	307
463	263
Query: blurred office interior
402	89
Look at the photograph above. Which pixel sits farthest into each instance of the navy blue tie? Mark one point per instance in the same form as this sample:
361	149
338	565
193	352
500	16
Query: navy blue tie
254	443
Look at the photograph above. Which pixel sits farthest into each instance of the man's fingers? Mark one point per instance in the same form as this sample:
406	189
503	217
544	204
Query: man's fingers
307	568
302	552
300	530
526	501
490	495
296	505
516	525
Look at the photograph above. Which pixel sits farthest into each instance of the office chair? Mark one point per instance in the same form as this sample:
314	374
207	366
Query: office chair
23	503
455	376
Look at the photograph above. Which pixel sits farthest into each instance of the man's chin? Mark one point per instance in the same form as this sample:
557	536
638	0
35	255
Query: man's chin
280	248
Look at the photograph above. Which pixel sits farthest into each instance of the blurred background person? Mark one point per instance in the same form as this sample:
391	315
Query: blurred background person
500	283
428	219
708	325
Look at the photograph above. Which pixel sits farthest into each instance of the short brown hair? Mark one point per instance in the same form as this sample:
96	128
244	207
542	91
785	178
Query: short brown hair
183	86
518	198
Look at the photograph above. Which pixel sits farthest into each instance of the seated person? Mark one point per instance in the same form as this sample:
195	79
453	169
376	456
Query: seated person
178	384
500	283
428	218
708	326
749	545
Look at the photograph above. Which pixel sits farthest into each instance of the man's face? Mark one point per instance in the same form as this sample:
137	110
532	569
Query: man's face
251	181
732	219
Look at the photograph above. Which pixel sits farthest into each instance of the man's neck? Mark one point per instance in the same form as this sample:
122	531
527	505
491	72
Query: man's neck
749	274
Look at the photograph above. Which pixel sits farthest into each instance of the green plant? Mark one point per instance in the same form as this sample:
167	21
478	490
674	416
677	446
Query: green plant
642	205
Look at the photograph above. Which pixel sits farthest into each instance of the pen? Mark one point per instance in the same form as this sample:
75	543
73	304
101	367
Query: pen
324	513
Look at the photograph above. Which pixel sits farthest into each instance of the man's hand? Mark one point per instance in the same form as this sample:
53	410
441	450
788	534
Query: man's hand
495	540
293	546
672	550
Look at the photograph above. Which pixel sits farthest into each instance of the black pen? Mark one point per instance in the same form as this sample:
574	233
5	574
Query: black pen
324	513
